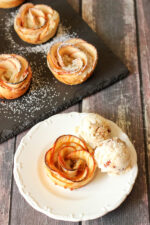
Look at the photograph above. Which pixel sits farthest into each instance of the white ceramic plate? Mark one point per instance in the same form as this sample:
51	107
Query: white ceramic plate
103	194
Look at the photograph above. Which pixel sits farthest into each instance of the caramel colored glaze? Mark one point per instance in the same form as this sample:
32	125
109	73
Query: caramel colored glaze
70	163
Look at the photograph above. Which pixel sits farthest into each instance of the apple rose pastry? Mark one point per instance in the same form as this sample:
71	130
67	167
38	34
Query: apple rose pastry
15	76
10	3
70	163
94	129
73	61
36	24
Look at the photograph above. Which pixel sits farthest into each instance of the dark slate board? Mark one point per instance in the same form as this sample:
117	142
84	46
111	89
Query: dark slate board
46	95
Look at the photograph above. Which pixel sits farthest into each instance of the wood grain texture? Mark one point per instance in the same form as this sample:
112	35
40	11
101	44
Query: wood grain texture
21	212
75	4
115	23
6	162
143	20
74	108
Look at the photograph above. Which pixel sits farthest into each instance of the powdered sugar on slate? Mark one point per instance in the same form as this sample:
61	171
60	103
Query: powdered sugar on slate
43	91
63	34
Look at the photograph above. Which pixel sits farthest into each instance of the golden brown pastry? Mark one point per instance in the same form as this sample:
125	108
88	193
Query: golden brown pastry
10	3
36	24
15	76
70	163
73	61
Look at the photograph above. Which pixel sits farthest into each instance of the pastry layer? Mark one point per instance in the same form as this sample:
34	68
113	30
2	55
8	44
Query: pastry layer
73	61
15	76
36	24
10	3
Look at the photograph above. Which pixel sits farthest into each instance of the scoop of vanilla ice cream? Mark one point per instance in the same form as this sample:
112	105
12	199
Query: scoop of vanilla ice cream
94	129
113	156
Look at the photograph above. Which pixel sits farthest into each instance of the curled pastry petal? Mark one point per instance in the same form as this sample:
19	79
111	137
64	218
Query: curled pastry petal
10	3
70	163
36	24
15	76
73	61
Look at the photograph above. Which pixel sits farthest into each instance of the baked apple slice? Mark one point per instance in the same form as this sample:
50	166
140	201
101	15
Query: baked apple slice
70	163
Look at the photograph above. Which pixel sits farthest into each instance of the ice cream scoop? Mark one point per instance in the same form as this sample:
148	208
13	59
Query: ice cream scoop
94	129
113	156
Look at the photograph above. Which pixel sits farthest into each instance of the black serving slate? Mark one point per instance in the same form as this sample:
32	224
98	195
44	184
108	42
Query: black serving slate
46	95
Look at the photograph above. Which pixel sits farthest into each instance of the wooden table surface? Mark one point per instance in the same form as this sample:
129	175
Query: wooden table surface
124	26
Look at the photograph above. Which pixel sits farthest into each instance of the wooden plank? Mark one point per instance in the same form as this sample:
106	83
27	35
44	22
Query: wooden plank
143	13
6	162
21	212
75	4
74	108
115	24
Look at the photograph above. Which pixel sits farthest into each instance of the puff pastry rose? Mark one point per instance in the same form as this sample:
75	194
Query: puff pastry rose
36	24
73	61
10	3
15	76
70	163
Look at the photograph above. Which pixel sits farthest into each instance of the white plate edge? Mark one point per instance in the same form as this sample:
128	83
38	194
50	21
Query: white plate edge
52	214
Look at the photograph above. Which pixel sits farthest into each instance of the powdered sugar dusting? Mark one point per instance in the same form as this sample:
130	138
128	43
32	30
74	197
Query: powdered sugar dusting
41	94
63	34
44	89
